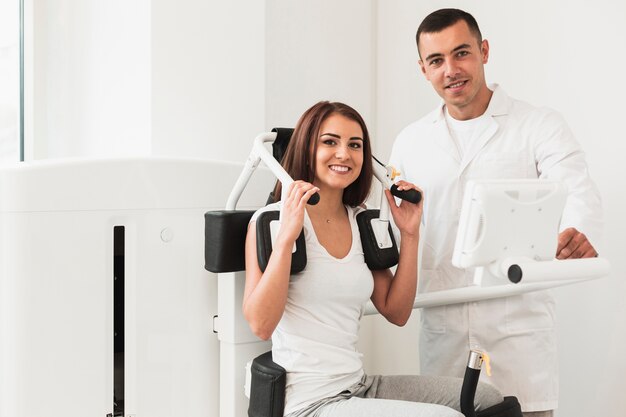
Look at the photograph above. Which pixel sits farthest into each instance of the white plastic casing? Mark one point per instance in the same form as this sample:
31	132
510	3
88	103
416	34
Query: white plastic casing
56	285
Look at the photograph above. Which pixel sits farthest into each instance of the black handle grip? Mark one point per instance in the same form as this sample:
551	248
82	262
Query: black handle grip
412	196
468	391
315	198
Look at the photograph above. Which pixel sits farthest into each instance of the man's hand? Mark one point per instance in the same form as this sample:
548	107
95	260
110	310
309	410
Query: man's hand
574	245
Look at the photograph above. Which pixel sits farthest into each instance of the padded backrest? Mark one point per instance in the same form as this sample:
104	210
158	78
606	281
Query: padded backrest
225	240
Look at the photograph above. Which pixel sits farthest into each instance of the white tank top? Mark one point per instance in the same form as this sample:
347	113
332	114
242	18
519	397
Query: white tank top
315	340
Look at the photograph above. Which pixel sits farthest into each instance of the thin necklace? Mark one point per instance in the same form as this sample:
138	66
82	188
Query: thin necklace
328	220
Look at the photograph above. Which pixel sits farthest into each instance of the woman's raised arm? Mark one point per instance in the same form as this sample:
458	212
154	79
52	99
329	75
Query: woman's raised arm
265	293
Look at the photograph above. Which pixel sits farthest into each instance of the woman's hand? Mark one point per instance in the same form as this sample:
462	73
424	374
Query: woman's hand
292	217
407	216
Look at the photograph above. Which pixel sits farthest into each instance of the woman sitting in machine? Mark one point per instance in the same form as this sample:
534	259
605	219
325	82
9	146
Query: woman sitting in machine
313	316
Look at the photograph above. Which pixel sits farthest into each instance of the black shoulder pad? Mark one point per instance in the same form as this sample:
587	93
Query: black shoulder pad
264	243
375	257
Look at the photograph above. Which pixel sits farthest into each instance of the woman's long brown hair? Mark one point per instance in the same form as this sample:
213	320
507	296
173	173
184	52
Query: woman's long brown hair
299	159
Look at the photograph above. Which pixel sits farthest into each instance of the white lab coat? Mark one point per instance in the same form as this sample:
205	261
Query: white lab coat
516	140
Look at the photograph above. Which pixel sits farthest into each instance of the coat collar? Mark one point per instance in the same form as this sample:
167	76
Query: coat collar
499	105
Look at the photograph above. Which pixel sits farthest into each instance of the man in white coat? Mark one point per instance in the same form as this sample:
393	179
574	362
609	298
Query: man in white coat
479	132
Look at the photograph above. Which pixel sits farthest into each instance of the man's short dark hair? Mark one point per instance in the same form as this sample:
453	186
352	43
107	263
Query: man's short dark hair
444	18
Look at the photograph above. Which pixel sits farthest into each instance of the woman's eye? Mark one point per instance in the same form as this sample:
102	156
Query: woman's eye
328	142
355	145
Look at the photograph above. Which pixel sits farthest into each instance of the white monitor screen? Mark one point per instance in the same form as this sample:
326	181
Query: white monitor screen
502	218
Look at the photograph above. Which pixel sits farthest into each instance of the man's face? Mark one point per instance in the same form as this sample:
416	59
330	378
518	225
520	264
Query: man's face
452	60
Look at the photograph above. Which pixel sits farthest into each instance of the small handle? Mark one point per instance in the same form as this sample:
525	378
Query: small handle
315	198
412	196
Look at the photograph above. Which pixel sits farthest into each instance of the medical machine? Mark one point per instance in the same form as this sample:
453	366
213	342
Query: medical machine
508	232
509	228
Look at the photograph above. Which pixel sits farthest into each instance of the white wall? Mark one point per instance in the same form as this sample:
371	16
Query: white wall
316	51
222	72
119	78
208	77
89	78
566	55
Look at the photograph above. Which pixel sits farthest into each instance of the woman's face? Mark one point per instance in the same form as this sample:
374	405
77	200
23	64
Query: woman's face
339	157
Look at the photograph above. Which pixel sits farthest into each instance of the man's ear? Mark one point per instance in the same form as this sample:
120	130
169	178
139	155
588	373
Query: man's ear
484	50
423	68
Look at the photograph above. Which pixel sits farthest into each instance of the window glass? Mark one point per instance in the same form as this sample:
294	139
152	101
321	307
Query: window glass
9	81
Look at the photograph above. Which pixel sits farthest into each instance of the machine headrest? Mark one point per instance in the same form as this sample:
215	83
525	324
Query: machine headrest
283	136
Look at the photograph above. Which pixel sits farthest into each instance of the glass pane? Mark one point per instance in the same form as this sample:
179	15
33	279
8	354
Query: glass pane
9	81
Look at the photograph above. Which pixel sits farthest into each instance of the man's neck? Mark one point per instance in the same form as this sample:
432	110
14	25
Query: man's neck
475	109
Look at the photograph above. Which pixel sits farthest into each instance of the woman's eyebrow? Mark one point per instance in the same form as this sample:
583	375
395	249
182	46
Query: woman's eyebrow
334	135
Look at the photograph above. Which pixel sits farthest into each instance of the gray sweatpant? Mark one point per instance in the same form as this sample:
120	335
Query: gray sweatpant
400	396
